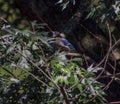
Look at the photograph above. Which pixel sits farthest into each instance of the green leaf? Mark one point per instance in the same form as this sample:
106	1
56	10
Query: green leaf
80	87
61	79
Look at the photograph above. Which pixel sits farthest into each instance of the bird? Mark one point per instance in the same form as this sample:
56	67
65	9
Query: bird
60	40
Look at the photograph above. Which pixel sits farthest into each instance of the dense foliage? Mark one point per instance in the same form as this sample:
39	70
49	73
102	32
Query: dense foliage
34	71
31	72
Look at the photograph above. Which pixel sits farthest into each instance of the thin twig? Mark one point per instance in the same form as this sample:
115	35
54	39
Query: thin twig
106	57
36	78
9	72
34	32
39	69
109	50
64	93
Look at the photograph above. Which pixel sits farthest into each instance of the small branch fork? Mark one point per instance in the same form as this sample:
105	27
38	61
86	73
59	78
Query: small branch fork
113	76
59	88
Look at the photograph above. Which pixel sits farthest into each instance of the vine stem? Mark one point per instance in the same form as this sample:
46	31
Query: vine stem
59	88
36	78
39	69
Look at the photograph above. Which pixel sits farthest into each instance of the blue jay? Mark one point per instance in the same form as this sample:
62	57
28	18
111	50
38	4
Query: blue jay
65	45
61	42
